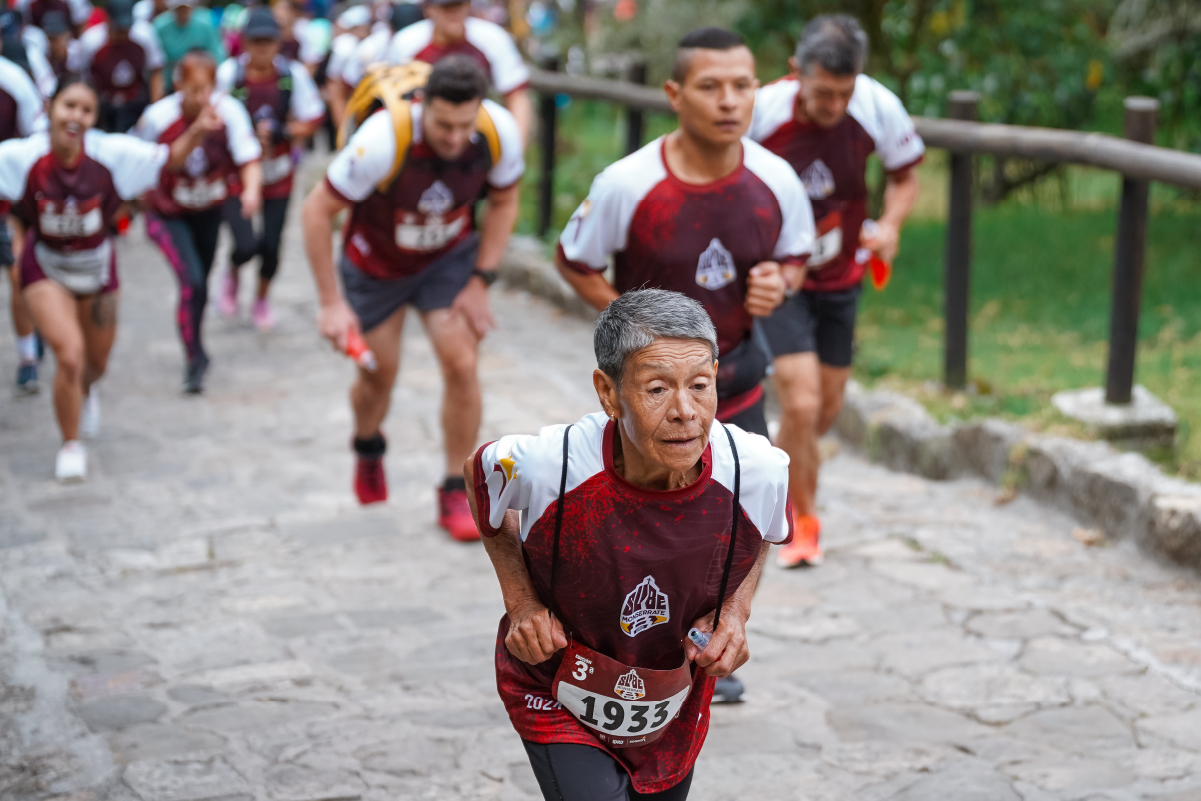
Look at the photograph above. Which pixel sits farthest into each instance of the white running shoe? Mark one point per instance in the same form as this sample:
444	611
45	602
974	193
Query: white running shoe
89	415
71	465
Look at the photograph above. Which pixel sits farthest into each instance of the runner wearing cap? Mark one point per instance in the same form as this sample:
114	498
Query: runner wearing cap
58	42
411	241
825	119
449	29
124	62
21	115
612	538
355	24
65	187
74	12
184	214
284	106
182	31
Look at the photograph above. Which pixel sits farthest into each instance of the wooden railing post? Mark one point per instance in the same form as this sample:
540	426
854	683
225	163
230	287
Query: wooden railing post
1129	253
548	119
958	265
635	124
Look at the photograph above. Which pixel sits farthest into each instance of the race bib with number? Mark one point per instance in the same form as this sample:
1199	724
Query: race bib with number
422	233
199	195
828	243
625	706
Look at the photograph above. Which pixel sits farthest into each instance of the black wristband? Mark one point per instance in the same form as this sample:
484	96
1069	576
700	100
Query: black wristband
487	276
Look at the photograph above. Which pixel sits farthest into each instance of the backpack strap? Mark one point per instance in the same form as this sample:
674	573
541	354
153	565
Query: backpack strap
487	128
402	125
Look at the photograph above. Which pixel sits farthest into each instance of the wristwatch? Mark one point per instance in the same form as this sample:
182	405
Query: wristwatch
487	276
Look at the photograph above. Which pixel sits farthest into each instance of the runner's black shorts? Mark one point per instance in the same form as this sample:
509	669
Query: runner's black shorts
816	321
574	772
376	299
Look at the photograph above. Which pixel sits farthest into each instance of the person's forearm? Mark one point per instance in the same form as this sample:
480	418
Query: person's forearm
900	196
337	101
318	244
499	219
252	177
594	289
741	599
156	86
522	108
182	147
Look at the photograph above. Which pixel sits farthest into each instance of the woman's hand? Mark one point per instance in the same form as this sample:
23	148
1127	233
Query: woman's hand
535	635
727	649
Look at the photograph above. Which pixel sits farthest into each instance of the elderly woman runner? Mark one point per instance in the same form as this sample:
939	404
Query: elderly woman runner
614	536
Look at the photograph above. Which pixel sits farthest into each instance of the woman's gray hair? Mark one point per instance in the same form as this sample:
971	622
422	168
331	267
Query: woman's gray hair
638	318
835	42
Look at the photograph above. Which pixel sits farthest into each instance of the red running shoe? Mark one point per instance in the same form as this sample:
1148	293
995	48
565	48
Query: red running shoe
370	484
454	515
804	550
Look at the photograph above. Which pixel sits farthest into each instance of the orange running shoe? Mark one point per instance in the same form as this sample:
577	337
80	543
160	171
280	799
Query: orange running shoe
804	550
454	515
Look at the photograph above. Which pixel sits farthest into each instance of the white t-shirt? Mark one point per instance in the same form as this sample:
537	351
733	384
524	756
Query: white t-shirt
368	52
14	82
95	37
243	144
341	52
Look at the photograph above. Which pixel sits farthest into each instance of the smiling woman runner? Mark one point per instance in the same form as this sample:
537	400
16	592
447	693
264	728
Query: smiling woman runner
635	525
65	187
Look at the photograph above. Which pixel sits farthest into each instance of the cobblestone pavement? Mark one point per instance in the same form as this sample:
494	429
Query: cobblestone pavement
211	616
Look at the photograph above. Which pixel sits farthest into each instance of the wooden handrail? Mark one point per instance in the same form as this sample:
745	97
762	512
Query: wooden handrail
1134	160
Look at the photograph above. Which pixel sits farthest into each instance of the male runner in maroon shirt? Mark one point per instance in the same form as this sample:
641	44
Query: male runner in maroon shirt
825	118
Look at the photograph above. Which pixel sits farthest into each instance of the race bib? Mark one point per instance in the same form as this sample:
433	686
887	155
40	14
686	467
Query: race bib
199	195
422	233
69	219
277	169
624	706
828	243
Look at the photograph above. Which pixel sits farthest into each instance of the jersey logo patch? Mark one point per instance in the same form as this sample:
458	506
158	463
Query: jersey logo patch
715	268
818	180
645	607
123	74
196	163
630	686
438	199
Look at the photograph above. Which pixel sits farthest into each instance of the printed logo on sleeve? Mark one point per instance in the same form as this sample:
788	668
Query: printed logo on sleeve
715	268
644	607
818	180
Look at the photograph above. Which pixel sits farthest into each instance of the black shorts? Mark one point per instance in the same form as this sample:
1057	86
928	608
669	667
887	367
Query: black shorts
574	772
375	299
6	243
816	321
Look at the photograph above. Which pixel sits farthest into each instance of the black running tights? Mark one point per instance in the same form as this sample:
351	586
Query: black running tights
571	772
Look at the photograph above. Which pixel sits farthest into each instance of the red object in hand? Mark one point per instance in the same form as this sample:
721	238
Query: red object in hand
880	270
356	348
122	225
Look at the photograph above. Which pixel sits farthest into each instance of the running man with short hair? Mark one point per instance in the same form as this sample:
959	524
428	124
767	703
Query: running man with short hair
412	241
124	62
825	119
614	537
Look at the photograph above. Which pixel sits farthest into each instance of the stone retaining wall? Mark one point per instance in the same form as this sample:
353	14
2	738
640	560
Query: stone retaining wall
1122	494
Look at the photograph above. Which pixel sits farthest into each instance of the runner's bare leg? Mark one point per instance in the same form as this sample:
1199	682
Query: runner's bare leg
98	321
371	394
798	386
22	321
55	313
457	346
833	391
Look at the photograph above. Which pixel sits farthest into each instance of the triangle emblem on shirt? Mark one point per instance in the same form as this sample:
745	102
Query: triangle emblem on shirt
818	180
715	268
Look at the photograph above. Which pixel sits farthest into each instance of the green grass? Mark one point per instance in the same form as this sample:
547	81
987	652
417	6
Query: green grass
1041	283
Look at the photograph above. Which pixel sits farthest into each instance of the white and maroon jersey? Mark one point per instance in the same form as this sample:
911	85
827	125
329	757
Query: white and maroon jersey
289	94
341	51
21	110
832	163
210	172
76	12
486	43
636	568
429	206
367	52
698	239
71	210
119	70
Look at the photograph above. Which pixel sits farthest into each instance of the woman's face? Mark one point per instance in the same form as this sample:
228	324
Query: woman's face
72	114
667	402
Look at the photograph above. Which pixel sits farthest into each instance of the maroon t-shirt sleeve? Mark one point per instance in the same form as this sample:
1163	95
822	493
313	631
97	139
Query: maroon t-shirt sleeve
480	488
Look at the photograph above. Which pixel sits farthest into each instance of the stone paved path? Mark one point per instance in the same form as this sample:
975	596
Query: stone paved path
212	617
